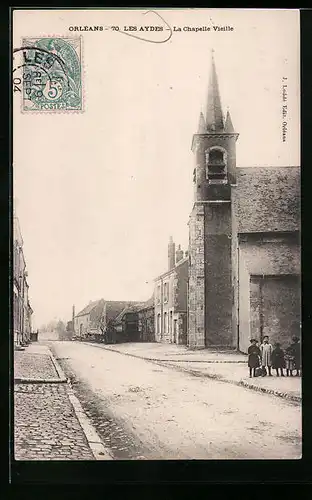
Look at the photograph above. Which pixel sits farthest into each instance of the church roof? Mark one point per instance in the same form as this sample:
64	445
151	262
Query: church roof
267	199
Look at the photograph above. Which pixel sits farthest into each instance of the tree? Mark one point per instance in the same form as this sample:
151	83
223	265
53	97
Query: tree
60	327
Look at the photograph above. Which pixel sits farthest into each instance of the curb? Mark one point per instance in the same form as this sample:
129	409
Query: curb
240	383
93	439
25	380
58	368
164	360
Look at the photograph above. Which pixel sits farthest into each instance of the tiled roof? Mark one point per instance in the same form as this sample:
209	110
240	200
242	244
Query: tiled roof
114	308
167	273
267	199
128	309
88	308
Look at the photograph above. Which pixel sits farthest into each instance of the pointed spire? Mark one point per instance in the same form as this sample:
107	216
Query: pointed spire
228	123
202	129
214	118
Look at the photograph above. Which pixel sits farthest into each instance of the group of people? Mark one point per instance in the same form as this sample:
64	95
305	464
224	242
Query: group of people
262	359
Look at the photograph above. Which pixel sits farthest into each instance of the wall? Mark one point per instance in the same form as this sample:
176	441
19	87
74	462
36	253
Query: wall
95	318
271	254
196	287
180	286
218	275
245	302
273	258
147	324
164	305
281	308
84	321
158	309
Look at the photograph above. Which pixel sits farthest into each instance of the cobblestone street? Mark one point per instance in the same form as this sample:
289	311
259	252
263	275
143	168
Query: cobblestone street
33	365
45	425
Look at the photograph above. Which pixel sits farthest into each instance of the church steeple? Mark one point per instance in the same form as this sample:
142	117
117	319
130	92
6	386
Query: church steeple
214	116
202	129
228	128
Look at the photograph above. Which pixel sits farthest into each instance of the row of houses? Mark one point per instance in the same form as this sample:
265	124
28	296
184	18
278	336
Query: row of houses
22	311
115	321
162	318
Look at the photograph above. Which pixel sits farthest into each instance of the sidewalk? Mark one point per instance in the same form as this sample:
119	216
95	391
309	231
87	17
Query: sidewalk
49	423
224	365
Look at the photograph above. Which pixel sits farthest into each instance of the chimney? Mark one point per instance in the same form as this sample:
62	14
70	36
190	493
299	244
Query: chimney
179	254
171	254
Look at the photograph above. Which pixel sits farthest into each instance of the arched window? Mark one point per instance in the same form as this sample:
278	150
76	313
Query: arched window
158	323
216	159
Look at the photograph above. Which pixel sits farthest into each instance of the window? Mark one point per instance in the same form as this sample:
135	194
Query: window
158	294
216	165
171	322
166	292
158	323
166	322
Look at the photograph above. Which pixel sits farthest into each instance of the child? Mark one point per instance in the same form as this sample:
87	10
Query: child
292	357
253	357
278	360
266	355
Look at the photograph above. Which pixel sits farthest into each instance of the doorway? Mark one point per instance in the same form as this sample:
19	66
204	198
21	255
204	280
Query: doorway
275	307
175	331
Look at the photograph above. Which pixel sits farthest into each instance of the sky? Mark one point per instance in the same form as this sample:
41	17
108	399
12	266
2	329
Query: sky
99	193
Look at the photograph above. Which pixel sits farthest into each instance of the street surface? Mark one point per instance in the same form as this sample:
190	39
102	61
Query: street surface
45	425
142	410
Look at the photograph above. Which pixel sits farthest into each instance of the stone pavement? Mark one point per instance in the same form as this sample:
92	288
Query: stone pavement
46	424
224	365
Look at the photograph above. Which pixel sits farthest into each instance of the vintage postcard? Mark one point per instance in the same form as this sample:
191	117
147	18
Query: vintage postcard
156	279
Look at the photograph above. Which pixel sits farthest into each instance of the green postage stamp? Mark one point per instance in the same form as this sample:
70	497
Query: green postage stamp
52	74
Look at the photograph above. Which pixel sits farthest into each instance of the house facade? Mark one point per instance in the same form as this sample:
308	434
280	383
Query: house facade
170	298
98	317
244	241
22	311
146	321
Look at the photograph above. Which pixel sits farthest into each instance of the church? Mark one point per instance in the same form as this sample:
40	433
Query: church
244	241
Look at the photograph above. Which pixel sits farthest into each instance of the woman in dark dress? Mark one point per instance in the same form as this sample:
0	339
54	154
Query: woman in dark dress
278	359
297	355
254	354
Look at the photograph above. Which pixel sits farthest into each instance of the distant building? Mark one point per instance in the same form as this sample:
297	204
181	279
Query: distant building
22	311
97	317
244	241
146	321
170	298
126	324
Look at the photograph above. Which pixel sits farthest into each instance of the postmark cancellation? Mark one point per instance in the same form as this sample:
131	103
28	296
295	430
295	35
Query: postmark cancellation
50	70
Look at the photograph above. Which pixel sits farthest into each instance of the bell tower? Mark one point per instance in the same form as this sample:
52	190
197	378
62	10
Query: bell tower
210	225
